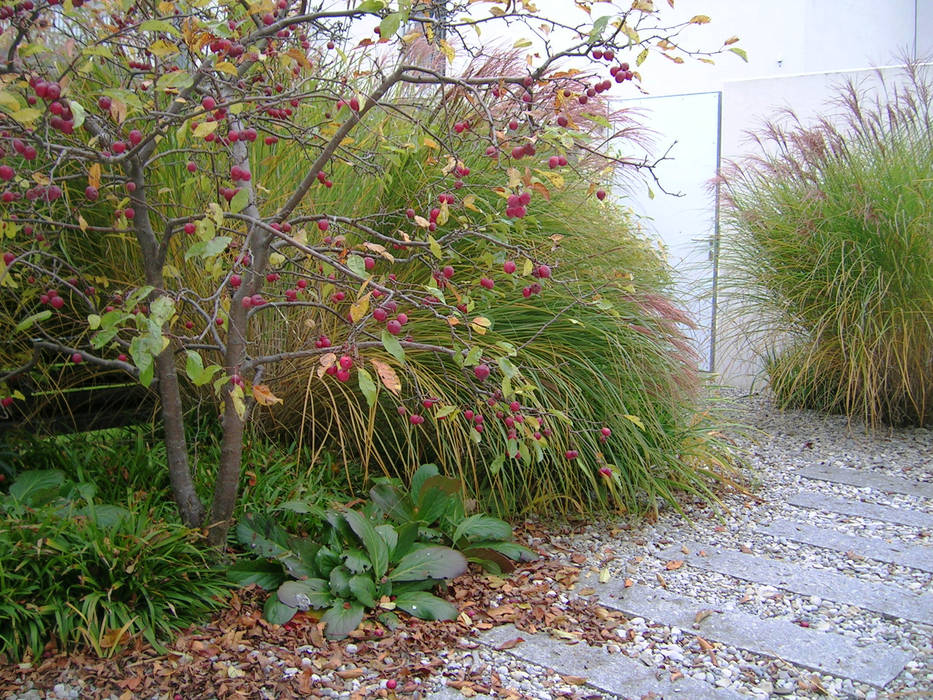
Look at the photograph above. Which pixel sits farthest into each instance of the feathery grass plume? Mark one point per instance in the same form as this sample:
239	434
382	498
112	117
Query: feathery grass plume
830	247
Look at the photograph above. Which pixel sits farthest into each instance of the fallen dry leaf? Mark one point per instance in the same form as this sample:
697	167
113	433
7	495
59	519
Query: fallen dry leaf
574	680
674	564
510	644
629	583
661	581
700	616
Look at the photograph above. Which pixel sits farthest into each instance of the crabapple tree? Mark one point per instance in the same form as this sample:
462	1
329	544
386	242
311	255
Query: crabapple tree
167	191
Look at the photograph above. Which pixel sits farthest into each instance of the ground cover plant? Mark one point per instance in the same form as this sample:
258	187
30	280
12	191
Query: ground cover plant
154	129
831	245
75	571
387	556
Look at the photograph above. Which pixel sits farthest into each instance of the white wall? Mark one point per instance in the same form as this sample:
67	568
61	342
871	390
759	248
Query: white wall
798	51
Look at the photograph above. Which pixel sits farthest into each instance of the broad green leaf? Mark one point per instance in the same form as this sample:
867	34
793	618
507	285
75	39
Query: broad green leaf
363	589
277	612
512	550
393	347
267	575
305	595
596	33
741	53
194	366
390	24
79	114
35	487
341	619
158	25
375	545
496	465
435	248
178	80
28	322
357	266
371	6
483	527
240	200
508	369
340	581
367	386
429	562
418	479
425	606
474	356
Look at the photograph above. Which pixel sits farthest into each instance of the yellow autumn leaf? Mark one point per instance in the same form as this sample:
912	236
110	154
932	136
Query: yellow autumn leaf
447	50
205	128
226	67
93	175
360	308
263	396
469	202
431	143
699	19
388	376
421	221
163	48
481	324
435	247
634	419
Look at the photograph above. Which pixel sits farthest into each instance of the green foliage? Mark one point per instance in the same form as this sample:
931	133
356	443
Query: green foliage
384	557
78	572
831	245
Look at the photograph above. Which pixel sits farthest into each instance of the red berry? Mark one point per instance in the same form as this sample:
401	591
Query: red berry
192	166
606	432
544	271
415	419
571	454
103	103
77	358
189	228
481	372
508	267
402	318
323	225
605	471
600	195
487	283
394	327
448	271
91	193
391	684
369	263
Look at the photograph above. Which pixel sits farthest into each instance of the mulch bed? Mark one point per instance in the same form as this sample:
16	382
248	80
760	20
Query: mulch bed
240	655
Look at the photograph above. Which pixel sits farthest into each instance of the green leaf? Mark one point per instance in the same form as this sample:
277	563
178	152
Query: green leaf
178	80
393	347
429	562
267	575
363	589
78	111
388	533
473	357
425	606
277	612
239	201
194	366
28	322
407	534
367	386
496	464
341	619
483	527
596	33
508	369
740	52
371	6
435	248
421	475
356	560
391	23
357	266
340	581
304	595
37	486
512	550
375	545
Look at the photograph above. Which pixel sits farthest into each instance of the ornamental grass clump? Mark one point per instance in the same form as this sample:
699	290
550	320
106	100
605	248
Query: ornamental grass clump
831	247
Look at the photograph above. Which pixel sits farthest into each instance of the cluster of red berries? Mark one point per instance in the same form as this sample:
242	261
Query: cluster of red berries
342	369
517	205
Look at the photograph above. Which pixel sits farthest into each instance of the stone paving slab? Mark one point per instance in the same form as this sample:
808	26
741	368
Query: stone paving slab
913	556
863	478
883	598
860	509
828	652
611	673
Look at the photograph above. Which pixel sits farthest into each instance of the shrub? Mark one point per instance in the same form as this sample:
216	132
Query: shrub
385	557
77	572
831	244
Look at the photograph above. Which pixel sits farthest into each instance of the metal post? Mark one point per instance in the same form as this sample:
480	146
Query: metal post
716	233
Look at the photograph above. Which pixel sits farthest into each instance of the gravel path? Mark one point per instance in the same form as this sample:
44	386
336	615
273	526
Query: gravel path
820	583
842	633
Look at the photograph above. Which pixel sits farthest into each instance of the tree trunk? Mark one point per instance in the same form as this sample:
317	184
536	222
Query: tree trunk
186	498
